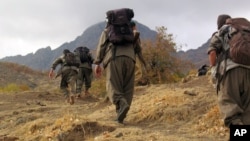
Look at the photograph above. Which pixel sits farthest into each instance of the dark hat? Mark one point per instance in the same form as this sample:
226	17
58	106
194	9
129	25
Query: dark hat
221	20
66	51
132	24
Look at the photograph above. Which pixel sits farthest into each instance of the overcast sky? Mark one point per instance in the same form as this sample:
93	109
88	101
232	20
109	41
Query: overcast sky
28	25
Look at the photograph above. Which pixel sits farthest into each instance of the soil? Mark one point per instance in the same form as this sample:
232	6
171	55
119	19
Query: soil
167	112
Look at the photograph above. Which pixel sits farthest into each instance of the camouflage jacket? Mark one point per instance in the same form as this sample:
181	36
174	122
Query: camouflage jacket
219	43
61	61
104	52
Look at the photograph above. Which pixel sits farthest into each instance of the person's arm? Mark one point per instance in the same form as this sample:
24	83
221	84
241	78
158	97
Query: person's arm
51	73
98	71
141	59
214	48
53	67
101	49
100	54
138	52
212	58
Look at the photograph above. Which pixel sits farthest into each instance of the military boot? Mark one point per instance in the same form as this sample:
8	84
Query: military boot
123	110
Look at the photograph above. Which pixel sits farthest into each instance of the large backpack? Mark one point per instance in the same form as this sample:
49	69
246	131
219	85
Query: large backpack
83	53
240	41
119	29
70	60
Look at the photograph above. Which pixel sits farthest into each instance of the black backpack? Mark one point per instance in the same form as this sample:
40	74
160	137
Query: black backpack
70	60
83	53
119	30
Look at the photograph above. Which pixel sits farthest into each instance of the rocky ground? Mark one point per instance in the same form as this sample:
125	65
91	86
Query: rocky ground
167	112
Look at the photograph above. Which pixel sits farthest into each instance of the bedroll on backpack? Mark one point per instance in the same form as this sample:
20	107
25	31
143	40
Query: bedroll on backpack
70	60
240	41
119	29
83	53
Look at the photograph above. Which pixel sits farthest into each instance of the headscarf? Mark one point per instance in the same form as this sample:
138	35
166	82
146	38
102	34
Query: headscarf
221	20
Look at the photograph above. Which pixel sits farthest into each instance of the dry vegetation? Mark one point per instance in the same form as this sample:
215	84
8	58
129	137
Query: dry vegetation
14	78
160	112
33	109
162	64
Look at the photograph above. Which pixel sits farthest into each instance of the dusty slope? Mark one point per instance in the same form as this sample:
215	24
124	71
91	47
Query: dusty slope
175	112
11	73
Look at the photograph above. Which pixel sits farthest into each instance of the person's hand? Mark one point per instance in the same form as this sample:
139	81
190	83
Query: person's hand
51	74
213	72
213	75
98	71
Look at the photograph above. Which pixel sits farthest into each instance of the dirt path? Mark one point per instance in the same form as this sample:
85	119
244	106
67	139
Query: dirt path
176	112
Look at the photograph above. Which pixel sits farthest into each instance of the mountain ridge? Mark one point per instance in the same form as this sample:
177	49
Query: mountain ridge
44	57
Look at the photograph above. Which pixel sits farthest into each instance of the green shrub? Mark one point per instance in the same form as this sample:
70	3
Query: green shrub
14	88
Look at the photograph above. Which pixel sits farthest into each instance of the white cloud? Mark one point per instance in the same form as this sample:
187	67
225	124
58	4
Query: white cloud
26	26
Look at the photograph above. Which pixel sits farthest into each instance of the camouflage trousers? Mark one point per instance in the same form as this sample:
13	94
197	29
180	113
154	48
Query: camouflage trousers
84	77
68	82
234	97
120	75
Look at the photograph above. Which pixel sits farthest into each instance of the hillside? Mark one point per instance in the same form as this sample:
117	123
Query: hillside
197	56
177	112
43	58
11	73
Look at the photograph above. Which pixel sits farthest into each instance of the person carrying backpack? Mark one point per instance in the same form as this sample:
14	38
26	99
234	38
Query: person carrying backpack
68	73
86	59
232	74
203	70
116	52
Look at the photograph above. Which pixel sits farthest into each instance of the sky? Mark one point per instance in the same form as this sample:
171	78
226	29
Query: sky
28	25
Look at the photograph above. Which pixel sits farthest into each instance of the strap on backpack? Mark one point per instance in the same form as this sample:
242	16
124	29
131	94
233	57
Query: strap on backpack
224	55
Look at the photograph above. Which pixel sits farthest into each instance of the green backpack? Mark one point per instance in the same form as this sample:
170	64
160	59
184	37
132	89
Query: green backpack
70	60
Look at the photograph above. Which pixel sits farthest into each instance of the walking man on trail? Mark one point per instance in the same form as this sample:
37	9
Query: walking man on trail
233	79
116	52
85	58
68	72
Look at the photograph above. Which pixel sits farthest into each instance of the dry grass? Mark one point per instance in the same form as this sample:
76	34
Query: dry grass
20	68
158	113
98	87
14	88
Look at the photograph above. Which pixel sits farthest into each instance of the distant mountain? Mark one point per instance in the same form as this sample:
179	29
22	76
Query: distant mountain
197	56
44	57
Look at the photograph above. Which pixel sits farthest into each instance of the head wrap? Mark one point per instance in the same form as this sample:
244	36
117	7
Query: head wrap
221	20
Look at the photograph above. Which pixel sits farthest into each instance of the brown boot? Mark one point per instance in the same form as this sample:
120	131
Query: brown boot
71	99
78	95
67	99
86	93
122	111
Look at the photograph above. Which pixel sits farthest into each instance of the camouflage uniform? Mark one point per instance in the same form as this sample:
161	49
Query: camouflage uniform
120	73
68	75
84	75
234	87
